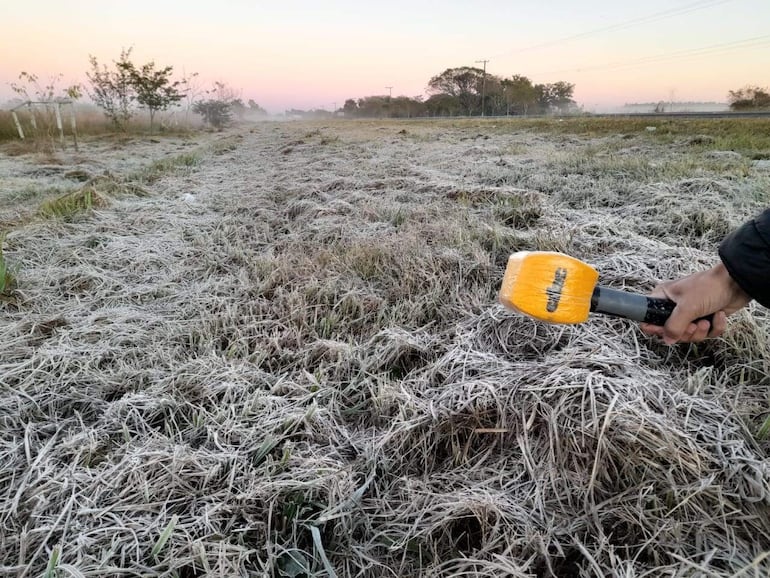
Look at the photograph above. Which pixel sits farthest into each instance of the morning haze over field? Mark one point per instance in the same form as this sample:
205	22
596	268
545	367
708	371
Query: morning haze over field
307	55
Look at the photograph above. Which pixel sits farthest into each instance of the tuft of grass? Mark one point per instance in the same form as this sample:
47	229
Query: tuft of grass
7	278
7	128
369	260
53	562
66	202
67	206
157	169
517	212
30	192
164	536
763	432
226	144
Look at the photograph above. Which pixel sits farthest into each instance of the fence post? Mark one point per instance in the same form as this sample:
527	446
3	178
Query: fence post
74	125
32	118
18	124
57	110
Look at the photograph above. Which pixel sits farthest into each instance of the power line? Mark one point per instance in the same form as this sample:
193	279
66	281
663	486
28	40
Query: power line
711	50
665	14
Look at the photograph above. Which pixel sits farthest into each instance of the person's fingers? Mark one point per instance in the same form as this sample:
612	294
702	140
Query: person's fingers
701	332
692	333
688	334
703	329
651	330
695	296
718	325
677	325
669	340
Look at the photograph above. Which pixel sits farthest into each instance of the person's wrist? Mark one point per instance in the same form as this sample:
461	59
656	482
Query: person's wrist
723	277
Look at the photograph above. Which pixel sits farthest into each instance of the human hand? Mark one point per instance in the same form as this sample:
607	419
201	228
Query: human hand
698	295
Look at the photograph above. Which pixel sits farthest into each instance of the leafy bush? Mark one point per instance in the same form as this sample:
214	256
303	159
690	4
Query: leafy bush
112	90
115	91
215	113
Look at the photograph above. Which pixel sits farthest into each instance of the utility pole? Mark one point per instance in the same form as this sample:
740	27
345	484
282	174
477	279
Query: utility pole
390	95
483	85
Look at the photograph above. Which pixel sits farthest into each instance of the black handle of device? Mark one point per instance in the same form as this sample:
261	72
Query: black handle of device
641	308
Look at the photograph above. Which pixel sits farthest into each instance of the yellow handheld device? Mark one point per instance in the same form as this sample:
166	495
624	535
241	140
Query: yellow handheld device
557	288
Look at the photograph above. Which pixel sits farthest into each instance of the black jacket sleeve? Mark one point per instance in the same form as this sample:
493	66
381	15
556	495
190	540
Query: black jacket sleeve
746	254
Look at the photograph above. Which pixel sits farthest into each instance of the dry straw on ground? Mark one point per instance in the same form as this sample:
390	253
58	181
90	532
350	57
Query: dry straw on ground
289	360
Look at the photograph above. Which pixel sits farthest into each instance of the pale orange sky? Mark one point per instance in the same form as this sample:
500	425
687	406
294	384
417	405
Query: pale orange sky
301	54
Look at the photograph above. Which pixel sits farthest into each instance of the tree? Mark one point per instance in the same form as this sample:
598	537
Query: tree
44	101
215	113
191	88
112	90
350	108
556	97
222	92
442	105
462	83
255	109
373	106
154	89
237	106
44	93
459	90
748	98
406	107
115	91
493	96
377	106
561	96
217	110
520	95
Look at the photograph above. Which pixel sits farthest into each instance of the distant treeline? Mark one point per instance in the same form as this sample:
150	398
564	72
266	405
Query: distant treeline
121	88
468	91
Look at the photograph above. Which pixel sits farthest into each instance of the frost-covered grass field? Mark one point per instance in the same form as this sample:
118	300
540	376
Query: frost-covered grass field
278	352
